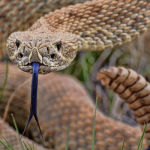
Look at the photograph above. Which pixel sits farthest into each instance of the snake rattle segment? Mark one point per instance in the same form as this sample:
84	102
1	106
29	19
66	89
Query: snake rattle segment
51	44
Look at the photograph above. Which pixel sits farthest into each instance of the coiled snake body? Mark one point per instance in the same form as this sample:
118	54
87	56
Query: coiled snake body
53	41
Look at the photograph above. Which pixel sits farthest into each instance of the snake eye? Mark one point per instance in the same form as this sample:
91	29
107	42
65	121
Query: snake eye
17	43
20	55
53	56
58	45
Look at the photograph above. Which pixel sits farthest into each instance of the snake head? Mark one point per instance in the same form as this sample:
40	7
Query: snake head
54	51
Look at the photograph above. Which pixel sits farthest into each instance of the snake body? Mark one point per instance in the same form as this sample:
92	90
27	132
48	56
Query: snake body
53	41
65	103
133	88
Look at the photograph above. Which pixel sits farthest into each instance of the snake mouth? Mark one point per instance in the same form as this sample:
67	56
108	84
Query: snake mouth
30	65
43	69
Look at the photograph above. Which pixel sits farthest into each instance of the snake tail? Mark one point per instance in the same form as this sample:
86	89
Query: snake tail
33	108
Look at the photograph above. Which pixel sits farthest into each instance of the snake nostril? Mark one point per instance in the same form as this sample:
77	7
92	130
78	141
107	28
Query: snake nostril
53	56
48	50
20	55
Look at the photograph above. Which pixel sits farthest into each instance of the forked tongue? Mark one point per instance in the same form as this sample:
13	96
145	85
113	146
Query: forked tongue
33	108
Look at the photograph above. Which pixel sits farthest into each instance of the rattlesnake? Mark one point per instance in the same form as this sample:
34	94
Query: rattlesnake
94	25
54	39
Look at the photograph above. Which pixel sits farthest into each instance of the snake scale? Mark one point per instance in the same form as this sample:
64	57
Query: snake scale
53	41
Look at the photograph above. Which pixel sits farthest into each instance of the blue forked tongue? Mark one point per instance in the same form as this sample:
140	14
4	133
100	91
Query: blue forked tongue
33	108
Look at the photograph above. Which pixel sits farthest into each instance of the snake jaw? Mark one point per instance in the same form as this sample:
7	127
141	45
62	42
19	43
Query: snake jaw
44	68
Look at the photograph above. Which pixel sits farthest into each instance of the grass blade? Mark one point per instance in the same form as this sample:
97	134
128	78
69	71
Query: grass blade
5	145
5	81
93	133
17	131
26	146
123	144
8	143
67	138
29	146
142	138
142	144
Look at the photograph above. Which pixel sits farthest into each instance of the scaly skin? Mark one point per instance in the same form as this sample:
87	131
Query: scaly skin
54	40
15	16
131	87
65	103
